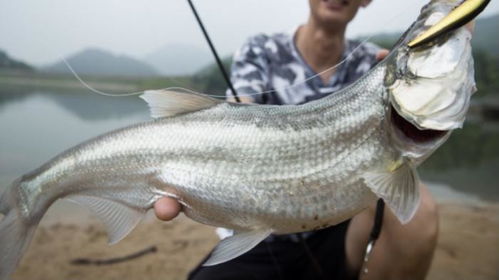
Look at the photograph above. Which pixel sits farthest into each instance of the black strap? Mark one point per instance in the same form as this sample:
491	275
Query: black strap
378	220
376	230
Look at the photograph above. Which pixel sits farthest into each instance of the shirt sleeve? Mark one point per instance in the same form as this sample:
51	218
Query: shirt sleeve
249	70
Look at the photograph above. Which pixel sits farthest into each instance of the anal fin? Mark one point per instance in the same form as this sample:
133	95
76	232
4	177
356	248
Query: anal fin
236	245
119	218
399	189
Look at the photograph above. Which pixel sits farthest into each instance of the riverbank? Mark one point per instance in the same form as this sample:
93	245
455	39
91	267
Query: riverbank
113	84
467	247
468	242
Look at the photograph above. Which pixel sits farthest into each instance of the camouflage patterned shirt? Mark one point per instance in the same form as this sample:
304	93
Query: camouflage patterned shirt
273	63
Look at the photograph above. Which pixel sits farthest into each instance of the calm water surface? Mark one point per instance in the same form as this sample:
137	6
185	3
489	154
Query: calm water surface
36	125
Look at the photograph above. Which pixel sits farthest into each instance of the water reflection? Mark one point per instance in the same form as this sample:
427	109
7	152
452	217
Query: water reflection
37	125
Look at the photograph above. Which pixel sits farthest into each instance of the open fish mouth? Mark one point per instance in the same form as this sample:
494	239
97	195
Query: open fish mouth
430	75
410	132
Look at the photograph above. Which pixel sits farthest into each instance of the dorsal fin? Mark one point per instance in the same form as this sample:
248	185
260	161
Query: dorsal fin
167	103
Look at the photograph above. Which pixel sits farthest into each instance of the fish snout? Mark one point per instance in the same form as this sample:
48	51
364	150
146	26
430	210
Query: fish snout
461	14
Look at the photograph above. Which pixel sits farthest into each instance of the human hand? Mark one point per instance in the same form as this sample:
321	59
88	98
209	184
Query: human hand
167	208
382	54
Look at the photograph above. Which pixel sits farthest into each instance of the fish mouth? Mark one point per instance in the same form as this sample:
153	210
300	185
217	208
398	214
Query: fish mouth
430	84
409	131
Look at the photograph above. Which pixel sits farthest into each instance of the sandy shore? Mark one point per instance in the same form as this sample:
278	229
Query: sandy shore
468	248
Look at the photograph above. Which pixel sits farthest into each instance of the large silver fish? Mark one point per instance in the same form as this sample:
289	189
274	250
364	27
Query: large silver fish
263	169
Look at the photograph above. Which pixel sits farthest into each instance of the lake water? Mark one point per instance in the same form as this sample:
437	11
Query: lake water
36	125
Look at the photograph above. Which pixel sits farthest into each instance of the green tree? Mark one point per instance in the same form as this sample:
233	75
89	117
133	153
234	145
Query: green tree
486	73
211	80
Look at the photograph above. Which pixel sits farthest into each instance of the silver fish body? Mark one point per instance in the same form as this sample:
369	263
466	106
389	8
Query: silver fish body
261	169
237	166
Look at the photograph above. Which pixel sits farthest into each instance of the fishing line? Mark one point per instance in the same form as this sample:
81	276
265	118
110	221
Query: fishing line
242	94
221	95
89	87
94	89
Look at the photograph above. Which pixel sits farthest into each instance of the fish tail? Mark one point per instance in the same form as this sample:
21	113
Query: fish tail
15	235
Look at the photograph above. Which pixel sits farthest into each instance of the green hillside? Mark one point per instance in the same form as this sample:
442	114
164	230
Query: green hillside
98	62
8	63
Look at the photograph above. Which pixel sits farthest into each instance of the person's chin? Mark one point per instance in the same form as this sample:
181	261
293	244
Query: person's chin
332	18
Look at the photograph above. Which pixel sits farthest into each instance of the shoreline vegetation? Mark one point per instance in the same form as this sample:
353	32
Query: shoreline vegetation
484	106
38	80
466	249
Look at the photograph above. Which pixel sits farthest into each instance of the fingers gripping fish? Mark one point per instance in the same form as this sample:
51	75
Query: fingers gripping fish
262	169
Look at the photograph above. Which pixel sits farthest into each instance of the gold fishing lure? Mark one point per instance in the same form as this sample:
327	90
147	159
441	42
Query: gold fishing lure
461	15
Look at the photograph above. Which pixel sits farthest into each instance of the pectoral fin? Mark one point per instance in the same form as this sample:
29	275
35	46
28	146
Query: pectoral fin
167	103
399	189
236	245
119	218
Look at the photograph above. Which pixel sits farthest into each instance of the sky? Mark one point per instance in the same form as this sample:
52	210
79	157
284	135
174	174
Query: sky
43	31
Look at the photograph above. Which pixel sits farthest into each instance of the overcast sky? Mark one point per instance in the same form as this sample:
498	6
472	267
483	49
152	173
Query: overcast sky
41	31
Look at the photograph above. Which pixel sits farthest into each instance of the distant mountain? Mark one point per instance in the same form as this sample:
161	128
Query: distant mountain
179	59
484	37
6	62
99	62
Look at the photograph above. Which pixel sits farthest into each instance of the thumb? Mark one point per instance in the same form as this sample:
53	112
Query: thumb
167	208
382	54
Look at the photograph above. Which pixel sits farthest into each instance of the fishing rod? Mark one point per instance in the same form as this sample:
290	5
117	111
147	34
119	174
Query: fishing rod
214	52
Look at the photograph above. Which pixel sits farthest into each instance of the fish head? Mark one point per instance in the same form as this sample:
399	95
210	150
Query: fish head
430	84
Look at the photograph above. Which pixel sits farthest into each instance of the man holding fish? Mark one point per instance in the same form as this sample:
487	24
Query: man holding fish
273	64
270	171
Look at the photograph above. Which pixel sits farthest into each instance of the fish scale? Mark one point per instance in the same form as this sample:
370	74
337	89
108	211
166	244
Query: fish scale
282	188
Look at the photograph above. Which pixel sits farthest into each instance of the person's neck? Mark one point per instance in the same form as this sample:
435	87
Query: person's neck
321	48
